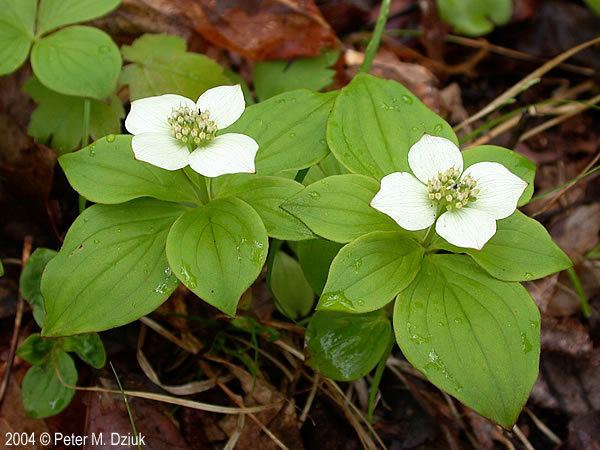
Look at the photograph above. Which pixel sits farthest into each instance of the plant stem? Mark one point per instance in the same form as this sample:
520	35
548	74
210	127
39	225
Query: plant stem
376	39
585	306
428	237
377	380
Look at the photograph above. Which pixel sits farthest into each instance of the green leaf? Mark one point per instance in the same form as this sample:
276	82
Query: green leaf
369	272
17	20
344	346
315	257
289	286
521	250
161	65
112	268
275	77
374	123
289	128
218	251
80	61
338	208
58	119
475	17
88	347
107	172
43	392
517	164
594	253
35	349
473	336
594	5
30	282
327	167
265	195
58	13
1	269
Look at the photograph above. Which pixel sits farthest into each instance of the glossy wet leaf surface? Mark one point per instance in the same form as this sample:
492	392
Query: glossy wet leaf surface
374	123
370	271
112	268
471	335
218	251
44	394
346	346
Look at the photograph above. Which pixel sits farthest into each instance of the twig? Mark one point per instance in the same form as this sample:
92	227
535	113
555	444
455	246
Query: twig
525	82
17	327
522	438
556	120
309	400
168	335
562	192
542	426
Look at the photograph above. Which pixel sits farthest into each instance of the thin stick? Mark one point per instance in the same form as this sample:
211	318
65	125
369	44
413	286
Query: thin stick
376	38
309	400
525	82
168	335
522	438
178	401
560	193
543	428
14	340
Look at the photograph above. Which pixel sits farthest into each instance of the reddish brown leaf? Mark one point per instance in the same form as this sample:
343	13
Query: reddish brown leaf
262	29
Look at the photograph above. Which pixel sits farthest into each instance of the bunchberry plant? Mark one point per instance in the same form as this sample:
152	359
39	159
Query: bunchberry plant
399	231
435	231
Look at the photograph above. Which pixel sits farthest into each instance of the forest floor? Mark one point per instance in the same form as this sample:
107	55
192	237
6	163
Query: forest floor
555	122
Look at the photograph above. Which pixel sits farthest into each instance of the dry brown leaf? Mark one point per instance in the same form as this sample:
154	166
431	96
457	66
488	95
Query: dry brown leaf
262	29
577	231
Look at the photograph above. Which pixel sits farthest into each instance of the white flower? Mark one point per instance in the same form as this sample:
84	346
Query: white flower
465	203
171	131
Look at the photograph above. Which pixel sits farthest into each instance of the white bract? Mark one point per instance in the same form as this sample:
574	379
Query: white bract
171	131
465	203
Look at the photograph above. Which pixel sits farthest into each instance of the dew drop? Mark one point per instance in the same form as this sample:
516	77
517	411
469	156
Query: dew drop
437	128
525	344
356	265
110	138
407	99
188	279
314	195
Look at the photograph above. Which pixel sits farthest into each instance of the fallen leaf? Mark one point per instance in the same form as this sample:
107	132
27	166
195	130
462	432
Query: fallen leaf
262	29
576	232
